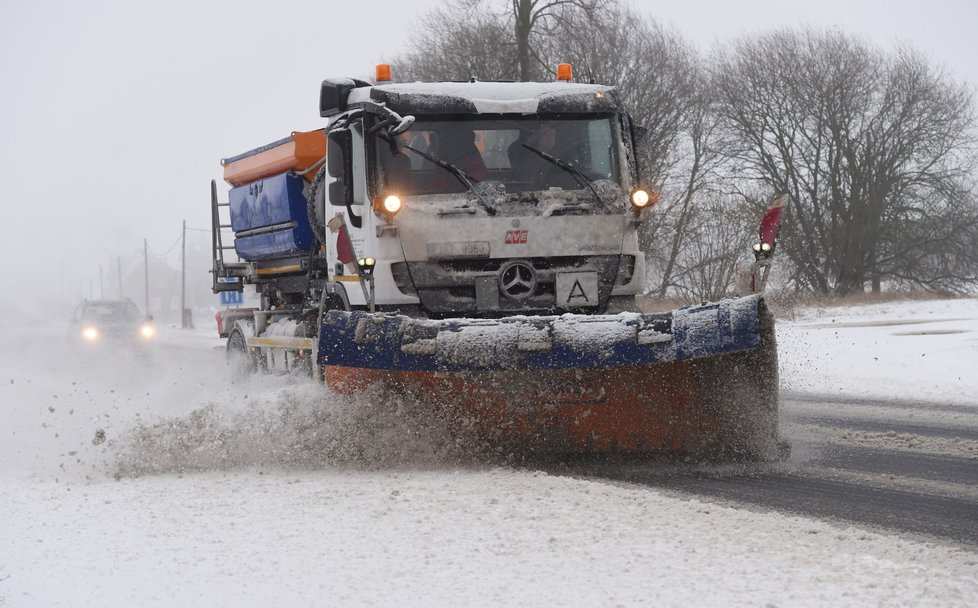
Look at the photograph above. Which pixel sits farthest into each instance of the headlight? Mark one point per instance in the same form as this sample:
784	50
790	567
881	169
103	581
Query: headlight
387	205
392	204
148	331
90	333
643	198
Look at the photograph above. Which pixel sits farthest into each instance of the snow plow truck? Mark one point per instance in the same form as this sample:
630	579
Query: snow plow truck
475	245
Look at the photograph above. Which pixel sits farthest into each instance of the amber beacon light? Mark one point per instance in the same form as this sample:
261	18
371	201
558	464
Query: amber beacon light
383	72
565	72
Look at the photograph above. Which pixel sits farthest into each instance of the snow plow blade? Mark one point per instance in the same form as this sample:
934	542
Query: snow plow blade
698	380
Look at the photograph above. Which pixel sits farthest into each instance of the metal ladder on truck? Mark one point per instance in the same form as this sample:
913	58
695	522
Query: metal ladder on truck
227	275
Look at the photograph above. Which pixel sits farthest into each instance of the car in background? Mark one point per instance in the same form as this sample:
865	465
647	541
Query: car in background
110	322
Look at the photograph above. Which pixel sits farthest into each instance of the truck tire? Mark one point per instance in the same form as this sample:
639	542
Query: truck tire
239	358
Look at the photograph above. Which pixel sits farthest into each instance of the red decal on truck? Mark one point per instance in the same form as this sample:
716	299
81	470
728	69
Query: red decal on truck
516	237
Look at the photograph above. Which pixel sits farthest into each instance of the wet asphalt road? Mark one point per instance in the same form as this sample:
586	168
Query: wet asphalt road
908	468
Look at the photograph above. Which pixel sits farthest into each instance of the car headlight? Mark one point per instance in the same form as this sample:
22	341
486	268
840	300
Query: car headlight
90	334
148	331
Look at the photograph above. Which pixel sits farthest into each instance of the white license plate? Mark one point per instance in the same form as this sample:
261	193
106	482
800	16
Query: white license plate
468	249
577	289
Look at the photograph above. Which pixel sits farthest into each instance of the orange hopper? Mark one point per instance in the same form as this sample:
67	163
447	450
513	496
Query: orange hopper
297	152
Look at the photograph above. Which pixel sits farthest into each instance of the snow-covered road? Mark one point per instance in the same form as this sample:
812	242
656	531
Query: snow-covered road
274	492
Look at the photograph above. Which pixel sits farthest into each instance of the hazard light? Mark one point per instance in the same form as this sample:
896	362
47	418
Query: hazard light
565	72
90	334
383	72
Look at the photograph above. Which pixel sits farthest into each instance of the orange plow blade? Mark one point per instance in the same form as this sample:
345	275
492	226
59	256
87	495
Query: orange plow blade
705	383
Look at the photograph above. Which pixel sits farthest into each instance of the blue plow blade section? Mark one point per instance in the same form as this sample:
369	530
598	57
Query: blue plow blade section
398	343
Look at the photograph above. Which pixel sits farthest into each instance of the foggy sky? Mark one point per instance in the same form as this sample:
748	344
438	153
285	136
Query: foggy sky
114	114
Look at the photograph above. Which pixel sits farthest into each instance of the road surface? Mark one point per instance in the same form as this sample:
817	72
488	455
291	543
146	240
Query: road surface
905	467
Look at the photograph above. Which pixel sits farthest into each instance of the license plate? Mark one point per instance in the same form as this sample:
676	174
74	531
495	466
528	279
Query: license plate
577	289
467	249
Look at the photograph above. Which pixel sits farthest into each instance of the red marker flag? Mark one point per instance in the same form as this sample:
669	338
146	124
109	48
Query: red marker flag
772	220
344	246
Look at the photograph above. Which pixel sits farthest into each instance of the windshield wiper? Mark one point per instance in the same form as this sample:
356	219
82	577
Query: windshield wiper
577	174
466	179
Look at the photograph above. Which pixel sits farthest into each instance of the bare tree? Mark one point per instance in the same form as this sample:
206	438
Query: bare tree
718	235
936	248
863	142
490	40
697	175
457	44
533	16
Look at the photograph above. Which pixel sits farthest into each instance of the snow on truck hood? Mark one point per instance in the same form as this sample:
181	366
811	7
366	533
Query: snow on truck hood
491	97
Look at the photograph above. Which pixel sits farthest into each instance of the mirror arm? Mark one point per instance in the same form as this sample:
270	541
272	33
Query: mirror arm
395	123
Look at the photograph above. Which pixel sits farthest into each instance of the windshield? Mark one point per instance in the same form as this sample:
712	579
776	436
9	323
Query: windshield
495	150
110	312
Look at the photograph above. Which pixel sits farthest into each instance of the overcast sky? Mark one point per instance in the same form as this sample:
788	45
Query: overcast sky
114	114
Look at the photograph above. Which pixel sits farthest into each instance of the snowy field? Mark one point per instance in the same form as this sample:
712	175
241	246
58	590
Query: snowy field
145	479
914	351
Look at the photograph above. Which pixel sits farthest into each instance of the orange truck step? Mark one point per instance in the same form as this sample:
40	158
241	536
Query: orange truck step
298	152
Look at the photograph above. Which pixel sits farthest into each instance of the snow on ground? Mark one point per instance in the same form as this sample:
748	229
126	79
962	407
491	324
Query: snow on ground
442	538
147	479
922	350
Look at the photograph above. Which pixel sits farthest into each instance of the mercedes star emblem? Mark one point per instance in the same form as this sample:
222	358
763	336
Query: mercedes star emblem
517	280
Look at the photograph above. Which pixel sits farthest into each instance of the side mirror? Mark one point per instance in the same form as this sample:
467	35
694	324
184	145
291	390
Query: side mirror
339	194
339	165
339	157
149	318
333	95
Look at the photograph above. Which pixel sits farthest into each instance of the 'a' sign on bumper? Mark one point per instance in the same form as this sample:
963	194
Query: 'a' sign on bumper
577	289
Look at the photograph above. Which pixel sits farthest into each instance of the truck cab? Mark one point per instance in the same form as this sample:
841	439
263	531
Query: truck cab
434	201
483	199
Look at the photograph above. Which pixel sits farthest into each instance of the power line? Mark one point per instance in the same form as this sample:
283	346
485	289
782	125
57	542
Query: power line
159	255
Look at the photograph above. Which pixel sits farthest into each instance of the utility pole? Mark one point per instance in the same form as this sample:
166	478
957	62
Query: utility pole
183	278
118	261
101	285
146	271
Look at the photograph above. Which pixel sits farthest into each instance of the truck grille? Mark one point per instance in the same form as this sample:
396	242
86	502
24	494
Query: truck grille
449	286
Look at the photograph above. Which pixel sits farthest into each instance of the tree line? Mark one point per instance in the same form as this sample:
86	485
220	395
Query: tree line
876	147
